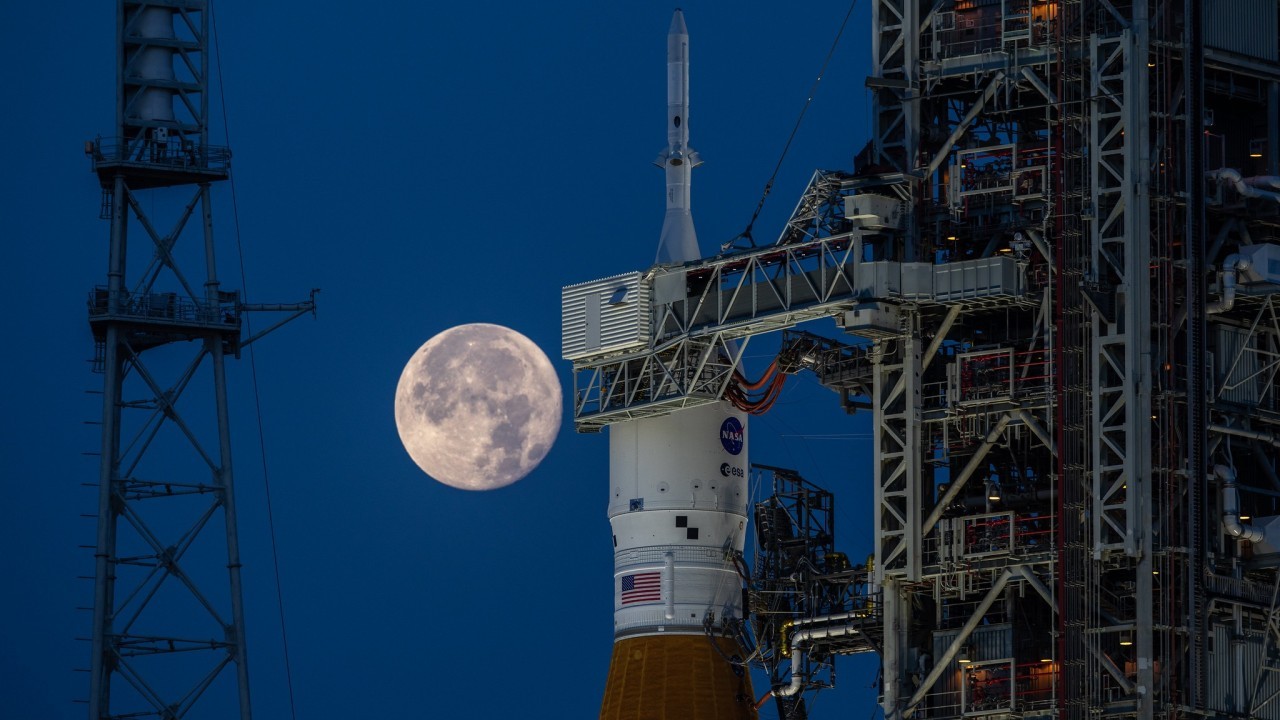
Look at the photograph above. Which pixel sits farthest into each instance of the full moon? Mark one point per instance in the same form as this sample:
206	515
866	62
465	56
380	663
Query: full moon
478	406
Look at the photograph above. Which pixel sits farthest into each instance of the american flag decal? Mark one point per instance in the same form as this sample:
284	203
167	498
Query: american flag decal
641	587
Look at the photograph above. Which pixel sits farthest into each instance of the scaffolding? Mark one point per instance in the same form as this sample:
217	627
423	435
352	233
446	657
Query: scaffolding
807	602
1055	265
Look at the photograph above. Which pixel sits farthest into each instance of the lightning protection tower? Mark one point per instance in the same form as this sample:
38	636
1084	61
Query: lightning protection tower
168	631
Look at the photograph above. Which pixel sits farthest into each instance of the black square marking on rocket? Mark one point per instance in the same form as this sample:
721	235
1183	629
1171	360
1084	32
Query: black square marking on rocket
682	521
637	504
692	533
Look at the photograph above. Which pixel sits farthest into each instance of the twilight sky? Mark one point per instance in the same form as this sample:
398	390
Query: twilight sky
426	165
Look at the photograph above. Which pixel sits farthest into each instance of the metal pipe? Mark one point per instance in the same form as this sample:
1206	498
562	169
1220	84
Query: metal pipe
1244	433
1263	181
1233	265
1231	507
1232	177
669	579
797	654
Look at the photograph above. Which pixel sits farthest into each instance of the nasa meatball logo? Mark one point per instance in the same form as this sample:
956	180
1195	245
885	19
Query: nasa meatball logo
731	435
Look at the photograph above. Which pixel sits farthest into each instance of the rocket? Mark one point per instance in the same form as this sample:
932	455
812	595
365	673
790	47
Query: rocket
678	242
678	511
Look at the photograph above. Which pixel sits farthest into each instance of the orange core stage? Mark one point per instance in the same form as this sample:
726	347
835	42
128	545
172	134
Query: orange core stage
676	677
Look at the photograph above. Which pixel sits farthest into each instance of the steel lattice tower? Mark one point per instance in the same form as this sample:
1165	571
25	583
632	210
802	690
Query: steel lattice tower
164	629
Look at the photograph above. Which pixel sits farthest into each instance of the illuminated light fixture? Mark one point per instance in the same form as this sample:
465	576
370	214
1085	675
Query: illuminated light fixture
963	166
1126	639
1151	63
1246	517
1155	572
1048	660
952	237
1004	250
993	491
1256	146
963	656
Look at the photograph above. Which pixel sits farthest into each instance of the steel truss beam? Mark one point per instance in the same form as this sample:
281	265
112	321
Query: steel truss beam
699	309
896	399
1121	384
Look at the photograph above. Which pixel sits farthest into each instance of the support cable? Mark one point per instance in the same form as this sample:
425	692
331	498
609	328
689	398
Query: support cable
813	90
253	371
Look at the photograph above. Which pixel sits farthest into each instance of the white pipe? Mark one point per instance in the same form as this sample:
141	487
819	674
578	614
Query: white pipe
837	617
1231	507
1234	264
1264	181
669	569
1229	176
1251	434
797	654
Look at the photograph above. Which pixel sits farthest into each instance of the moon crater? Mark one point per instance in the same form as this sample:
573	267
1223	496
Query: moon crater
478	406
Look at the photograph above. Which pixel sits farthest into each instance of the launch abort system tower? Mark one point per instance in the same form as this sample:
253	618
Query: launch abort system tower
168	625
1057	263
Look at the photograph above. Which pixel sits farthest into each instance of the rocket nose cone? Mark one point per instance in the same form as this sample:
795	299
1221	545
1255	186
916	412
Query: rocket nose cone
677	24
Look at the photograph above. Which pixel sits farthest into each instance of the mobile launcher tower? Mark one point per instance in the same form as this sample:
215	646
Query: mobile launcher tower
1056	262
168	629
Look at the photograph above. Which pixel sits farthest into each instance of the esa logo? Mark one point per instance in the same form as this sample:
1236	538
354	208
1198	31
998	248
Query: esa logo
731	435
728	470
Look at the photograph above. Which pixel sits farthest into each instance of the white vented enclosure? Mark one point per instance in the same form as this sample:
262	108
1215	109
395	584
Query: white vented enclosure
603	316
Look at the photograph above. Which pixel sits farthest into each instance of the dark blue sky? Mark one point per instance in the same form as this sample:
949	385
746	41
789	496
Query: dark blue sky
426	165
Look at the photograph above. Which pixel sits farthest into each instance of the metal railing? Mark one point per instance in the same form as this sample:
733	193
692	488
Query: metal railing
173	153
166	307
